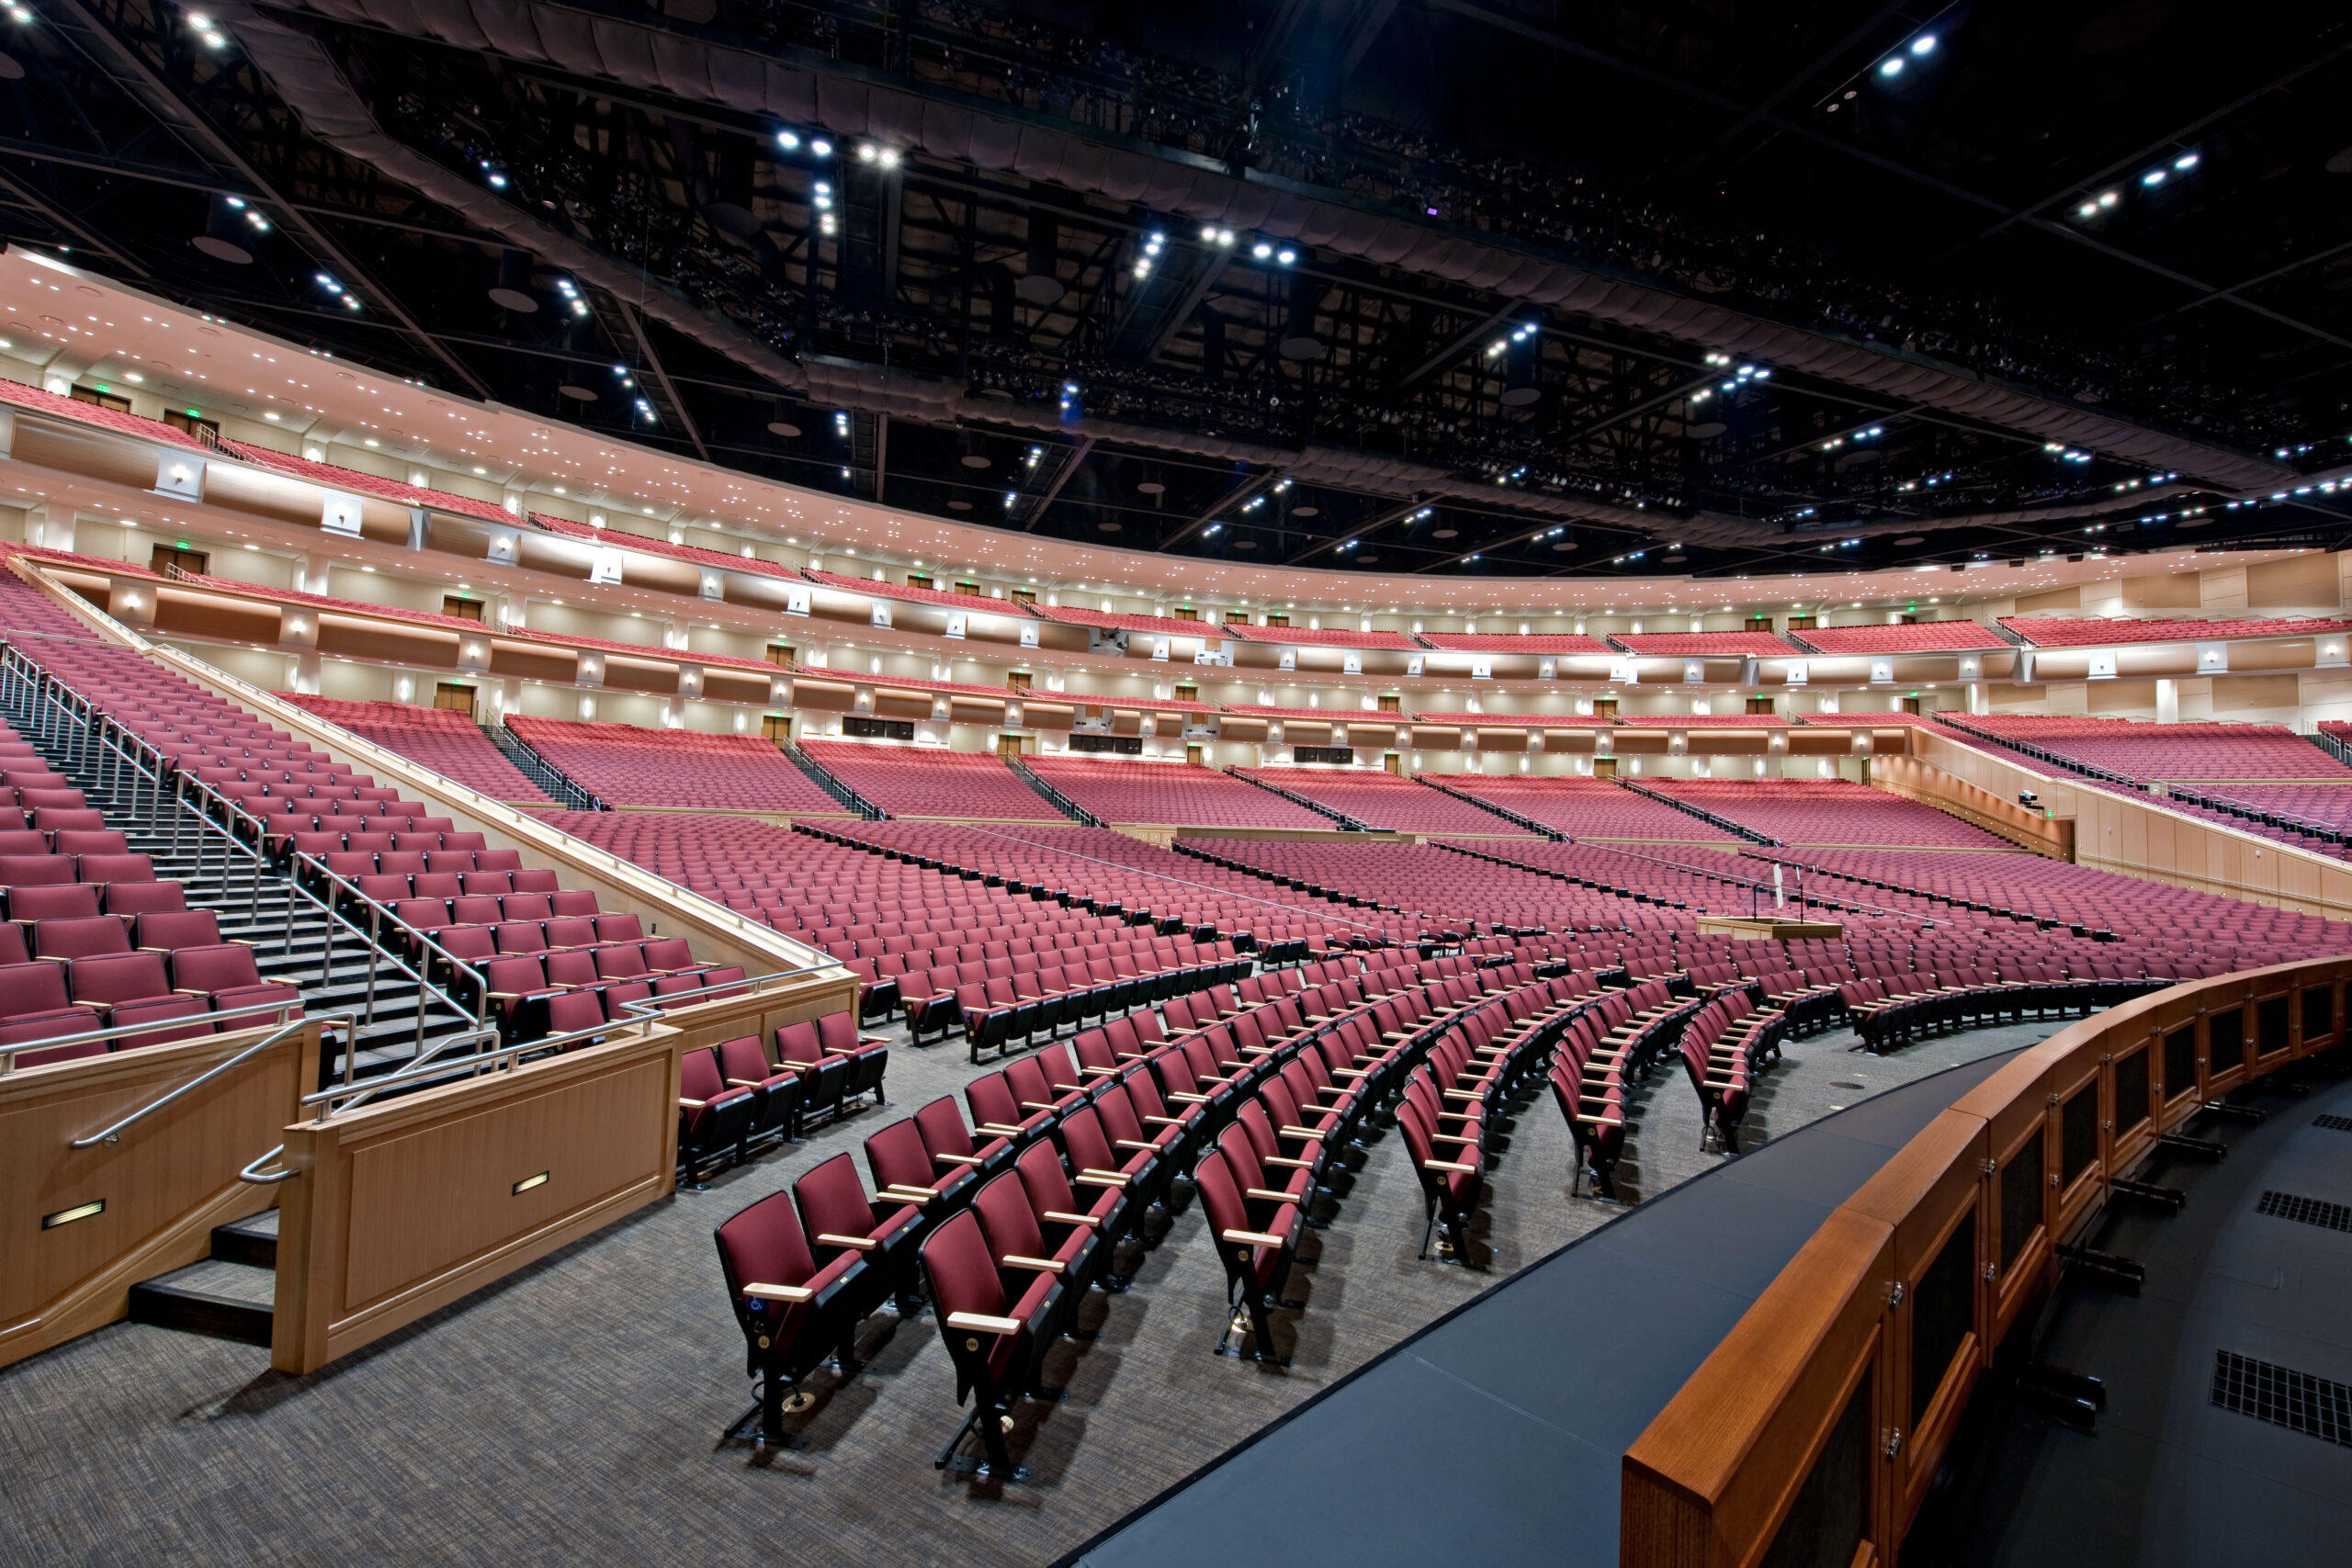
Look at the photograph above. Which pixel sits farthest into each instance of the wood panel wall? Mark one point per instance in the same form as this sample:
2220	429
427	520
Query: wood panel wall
165	1182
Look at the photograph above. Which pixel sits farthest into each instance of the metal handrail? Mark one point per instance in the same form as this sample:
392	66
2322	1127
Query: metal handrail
285	1027
9	1054
376	914
427	1068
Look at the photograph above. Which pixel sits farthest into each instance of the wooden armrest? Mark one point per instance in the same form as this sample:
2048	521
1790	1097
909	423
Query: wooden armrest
1101	1072
917	1195
1062	1217
999	1130
1136	1143
1038	1105
981	1323
1445	1164
1100	1178
958	1159
1452	1138
1269	1195
854	1242
1040	1265
779	1293
1251	1238
1186	1097
686	1104
1287	1162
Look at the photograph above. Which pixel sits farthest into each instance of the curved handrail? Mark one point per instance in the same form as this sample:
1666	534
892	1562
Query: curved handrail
285	1027
1851	1371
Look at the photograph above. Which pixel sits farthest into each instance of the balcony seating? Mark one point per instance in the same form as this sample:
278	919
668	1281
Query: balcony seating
1585	808
443	740
1169	793
1829	811
627	765
1923	637
1387	800
932	781
2060	632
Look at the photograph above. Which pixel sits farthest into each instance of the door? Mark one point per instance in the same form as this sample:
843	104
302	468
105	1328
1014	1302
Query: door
1604	767
1395	763
1196	756
1010	745
166	559
458	699
776	729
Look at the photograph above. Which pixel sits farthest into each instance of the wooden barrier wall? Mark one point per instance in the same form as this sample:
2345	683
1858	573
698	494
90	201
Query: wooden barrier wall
2115	832
1827	1408
400	1207
164	1183
2027	827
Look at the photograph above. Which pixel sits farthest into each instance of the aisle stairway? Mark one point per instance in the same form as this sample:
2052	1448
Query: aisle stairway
559	785
289	930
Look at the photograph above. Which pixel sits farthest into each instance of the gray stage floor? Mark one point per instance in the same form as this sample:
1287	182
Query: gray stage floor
2171	1480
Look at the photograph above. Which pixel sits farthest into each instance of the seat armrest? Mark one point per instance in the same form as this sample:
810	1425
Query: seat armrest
1062	1217
1269	1195
981	1323
1251	1238
1446	1164
1040	1265
854	1242
779	1293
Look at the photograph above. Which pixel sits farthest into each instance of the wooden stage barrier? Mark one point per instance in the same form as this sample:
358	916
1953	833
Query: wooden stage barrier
1824	1413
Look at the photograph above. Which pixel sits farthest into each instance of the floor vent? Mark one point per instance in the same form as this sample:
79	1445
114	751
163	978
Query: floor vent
2305	1210
2333	1123
2298	1401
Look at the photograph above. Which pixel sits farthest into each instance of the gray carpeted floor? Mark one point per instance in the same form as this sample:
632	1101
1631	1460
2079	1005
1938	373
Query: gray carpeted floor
576	1409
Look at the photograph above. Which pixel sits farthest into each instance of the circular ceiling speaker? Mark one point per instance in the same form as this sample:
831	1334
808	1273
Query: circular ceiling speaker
223	251
577	393
1306	511
1107	527
514	300
1040	289
1564	545
784	428
1152	487
1245	544
1908	540
1304	348
1521	396
959	506
1708	430
10	71
1861	459
1445	533
1367	561
972	460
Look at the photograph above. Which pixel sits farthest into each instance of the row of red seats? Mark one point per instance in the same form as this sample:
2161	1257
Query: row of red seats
443	740
626	764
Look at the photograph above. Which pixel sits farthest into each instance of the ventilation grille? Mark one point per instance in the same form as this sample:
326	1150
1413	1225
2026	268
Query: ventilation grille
2305	1210
2333	1123
2298	1401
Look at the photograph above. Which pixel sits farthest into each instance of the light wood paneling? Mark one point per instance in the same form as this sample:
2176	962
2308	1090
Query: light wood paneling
165	1182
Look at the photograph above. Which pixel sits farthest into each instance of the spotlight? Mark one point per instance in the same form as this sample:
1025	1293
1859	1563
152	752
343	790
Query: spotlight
788	139
1924	44
2109	198
2152	177
1891	66
1287	257
1261	250
822	148
2187	160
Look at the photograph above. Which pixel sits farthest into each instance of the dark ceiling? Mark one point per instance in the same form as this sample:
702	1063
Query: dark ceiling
1479	317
